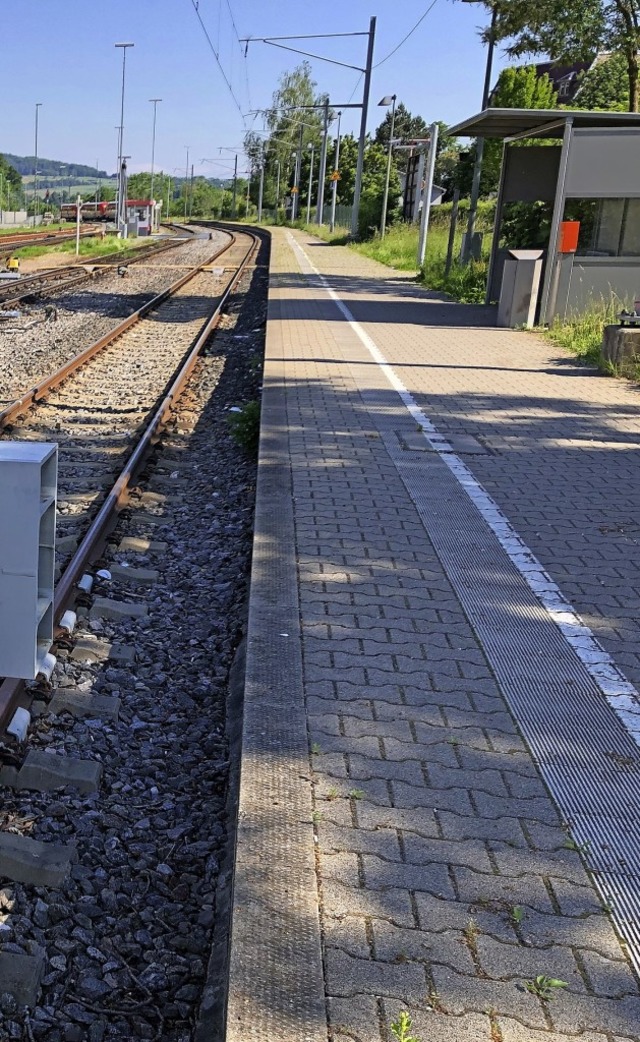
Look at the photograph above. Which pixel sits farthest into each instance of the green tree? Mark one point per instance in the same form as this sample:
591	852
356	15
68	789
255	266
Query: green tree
406	126
574	31
290	124
605	86
11	185
519	88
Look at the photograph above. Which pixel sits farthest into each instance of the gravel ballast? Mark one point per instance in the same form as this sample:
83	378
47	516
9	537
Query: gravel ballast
29	352
127	938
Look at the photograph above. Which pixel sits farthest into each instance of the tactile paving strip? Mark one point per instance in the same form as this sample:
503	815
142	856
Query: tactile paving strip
589	761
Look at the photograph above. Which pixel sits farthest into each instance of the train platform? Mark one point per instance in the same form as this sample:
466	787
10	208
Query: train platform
440	779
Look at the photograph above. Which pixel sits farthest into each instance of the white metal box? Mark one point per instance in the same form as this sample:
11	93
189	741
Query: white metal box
28	485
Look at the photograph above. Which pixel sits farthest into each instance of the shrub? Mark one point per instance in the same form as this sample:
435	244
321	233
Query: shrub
245	427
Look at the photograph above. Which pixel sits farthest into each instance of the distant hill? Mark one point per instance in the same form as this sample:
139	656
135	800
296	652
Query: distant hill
52	167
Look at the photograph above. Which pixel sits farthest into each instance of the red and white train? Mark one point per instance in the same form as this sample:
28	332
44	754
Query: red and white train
88	211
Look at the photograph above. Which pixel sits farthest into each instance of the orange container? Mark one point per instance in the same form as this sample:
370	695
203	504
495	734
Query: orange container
568	238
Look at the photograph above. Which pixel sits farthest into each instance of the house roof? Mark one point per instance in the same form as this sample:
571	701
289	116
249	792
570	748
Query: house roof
505	123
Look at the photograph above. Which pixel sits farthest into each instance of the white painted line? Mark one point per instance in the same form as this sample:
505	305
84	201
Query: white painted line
618	691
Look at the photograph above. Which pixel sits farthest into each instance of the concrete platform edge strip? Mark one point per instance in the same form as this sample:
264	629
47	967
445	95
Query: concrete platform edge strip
597	811
276	982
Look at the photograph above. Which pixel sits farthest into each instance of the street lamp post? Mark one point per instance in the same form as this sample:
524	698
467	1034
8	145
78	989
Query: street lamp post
311	147
389	99
334	183
477	169
35	170
121	207
154	102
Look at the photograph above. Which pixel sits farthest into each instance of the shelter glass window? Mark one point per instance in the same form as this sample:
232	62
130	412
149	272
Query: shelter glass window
608	227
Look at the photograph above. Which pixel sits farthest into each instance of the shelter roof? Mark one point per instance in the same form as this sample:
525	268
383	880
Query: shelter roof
506	123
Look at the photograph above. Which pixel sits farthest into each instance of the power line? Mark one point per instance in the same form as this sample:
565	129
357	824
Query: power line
405	38
194	4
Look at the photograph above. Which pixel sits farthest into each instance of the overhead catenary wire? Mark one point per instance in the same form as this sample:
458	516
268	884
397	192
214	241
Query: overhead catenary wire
409	34
216	55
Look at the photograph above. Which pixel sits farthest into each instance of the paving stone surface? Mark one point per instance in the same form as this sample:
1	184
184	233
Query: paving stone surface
445	879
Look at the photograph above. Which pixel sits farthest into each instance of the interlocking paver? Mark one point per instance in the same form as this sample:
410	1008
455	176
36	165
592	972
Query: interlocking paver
445	883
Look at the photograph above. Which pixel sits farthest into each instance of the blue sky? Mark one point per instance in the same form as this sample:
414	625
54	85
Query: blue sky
64	56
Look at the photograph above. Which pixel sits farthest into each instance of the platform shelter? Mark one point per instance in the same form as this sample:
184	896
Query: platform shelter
584	167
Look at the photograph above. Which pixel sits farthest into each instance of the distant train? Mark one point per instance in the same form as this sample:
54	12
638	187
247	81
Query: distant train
88	211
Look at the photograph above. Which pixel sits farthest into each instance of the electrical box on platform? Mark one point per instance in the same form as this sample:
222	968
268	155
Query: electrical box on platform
28	489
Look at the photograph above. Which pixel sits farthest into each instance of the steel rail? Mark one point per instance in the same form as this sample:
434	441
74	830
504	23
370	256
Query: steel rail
39	390
11	688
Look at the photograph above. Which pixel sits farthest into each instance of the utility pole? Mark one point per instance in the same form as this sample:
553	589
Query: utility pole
186	182
322	173
191	194
277	187
122	201
248	191
235	190
297	177
311	148
97	182
477	169
154	102
35	169
261	192
78	213
334	184
426	198
363	129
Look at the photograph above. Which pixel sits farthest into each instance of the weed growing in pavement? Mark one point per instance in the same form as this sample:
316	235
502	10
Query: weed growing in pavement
315	748
545	987
245	427
516	914
316	817
401	1028
356	794
333	794
471	932
582	848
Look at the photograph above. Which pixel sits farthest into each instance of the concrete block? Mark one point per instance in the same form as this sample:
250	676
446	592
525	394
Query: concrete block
140	545
25	860
47	771
20	976
145	576
621	347
88	649
104	608
79	703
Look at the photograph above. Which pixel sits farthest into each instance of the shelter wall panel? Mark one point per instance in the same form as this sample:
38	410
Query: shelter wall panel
604	163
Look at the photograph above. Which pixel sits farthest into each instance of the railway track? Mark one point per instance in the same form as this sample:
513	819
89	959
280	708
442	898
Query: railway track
115	877
56	280
10	243
105	406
